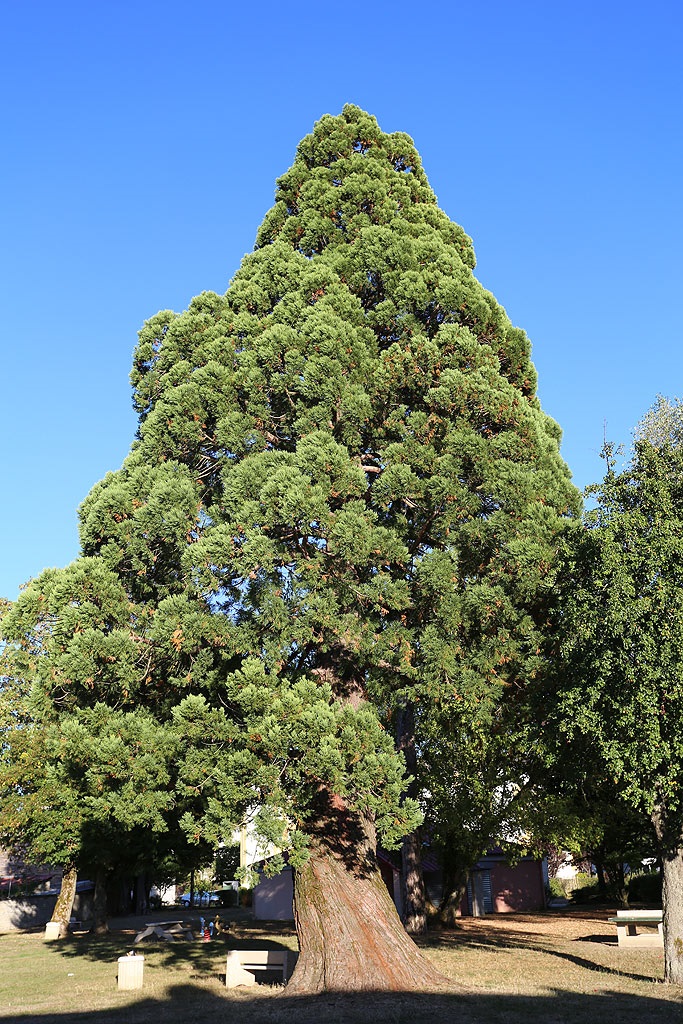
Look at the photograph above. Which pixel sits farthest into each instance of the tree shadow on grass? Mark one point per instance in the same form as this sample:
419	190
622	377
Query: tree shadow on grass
187	1003
607	940
534	941
195	959
590	965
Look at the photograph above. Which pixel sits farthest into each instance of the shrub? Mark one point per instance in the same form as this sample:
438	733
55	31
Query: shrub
557	888
584	887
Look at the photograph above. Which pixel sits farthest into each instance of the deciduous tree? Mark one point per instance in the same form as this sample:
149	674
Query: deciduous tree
623	645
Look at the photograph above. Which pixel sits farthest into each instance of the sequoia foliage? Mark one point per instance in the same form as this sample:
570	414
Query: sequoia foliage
343	498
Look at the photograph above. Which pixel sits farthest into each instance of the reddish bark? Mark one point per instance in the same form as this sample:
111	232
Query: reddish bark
350	935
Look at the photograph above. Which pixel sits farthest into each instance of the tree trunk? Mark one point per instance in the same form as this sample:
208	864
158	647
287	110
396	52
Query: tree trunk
454	888
414	897
672	896
450	909
65	901
126	898
350	935
600	871
621	884
141	894
100	926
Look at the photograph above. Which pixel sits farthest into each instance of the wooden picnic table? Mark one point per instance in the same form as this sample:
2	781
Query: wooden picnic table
169	931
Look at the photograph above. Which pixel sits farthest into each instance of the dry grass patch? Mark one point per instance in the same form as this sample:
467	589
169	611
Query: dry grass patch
554	968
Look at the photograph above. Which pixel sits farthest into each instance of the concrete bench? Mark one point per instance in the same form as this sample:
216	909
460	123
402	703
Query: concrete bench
242	962
628	922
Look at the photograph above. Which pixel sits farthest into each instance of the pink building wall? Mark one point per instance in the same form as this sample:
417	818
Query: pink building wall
513	888
518	888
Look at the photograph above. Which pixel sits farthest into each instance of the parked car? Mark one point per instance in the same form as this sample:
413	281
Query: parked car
201	899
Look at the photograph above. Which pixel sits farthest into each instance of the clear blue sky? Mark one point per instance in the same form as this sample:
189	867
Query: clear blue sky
141	145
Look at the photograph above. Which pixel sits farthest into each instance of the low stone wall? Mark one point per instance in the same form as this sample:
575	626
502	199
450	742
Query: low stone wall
28	912
35	911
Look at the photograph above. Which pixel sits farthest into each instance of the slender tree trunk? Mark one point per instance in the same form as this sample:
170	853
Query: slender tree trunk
141	894
414	896
672	896
621	882
65	901
600	870
450	909
100	926
454	888
350	935
127	904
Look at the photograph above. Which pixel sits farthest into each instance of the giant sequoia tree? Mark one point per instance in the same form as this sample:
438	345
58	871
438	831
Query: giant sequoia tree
342	505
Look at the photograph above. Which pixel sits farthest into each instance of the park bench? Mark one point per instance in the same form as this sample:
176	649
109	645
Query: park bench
242	962
628	921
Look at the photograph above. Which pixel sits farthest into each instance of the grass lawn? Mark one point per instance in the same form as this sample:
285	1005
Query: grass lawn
560	967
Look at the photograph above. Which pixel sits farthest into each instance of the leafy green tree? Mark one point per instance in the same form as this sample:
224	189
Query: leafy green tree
583	813
623	647
662	425
479	795
521	790
78	790
35	815
94	790
343	505
612	835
